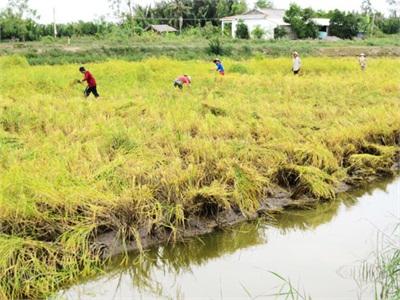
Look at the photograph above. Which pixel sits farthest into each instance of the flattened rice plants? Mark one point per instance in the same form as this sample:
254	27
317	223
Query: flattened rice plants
146	157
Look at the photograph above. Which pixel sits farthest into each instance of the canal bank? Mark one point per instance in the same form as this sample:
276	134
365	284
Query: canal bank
318	250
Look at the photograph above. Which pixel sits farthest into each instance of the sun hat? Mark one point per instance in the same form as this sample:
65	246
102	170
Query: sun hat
362	54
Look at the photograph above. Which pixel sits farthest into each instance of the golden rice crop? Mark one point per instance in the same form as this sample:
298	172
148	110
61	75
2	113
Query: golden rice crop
146	156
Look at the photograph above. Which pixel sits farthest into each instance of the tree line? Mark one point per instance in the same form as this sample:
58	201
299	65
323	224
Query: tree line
344	25
18	21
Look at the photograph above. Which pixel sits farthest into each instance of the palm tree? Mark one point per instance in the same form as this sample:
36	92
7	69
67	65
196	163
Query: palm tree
178	9
143	15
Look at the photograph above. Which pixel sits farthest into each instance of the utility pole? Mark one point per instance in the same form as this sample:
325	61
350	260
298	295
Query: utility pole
180	24
373	23
54	23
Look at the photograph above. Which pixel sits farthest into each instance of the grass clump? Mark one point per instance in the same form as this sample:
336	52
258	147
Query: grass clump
31	268
373	160
383	271
307	180
146	158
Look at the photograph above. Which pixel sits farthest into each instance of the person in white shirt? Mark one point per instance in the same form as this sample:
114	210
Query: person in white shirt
363	61
296	63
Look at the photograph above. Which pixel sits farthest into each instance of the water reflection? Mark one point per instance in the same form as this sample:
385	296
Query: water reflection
309	219
160	272
182	257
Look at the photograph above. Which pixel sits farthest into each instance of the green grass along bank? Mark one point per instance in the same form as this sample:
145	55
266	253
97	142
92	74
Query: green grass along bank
85	50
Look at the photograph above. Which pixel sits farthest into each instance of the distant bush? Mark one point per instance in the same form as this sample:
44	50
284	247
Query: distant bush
193	31
280	32
215	47
378	33
242	31
47	39
210	31
258	32
390	26
246	50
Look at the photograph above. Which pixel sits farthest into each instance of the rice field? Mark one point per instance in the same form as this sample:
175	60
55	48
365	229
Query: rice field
147	156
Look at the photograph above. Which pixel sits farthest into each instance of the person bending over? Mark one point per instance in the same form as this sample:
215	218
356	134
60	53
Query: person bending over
220	66
182	80
91	83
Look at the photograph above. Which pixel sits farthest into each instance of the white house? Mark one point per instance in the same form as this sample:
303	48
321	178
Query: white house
268	20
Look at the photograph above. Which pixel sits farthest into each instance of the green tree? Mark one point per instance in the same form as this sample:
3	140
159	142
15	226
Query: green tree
310	29
21	9
194	12
344	25
178	9
202	10
390	25
242	31
143	16
230	7
263	4
301	21
366	7
394	7
123	9
17	21
239	7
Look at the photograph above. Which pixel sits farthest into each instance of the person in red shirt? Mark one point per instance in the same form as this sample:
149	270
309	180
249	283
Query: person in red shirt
91	83
182	80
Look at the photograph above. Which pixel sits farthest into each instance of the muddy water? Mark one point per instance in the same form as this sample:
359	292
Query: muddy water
316	249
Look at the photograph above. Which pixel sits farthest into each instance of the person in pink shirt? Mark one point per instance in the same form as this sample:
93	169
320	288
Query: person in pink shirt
182	80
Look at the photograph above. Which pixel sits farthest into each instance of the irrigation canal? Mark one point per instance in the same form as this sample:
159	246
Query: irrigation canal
318	250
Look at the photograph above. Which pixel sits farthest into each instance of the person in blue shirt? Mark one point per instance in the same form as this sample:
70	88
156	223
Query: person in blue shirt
220	67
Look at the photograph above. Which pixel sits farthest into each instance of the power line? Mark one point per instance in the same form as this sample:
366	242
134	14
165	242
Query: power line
177	19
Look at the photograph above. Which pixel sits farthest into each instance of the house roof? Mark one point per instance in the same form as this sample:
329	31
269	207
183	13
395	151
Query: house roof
162	28
272	15
321	21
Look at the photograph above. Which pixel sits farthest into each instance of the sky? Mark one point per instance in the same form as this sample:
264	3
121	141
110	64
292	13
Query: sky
87	10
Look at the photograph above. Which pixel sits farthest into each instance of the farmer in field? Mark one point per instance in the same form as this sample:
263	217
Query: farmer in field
220	66
182	80
91	83
363	61
296	63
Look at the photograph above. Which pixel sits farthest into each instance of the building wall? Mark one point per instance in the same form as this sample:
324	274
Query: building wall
266	25
323	32
290	34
